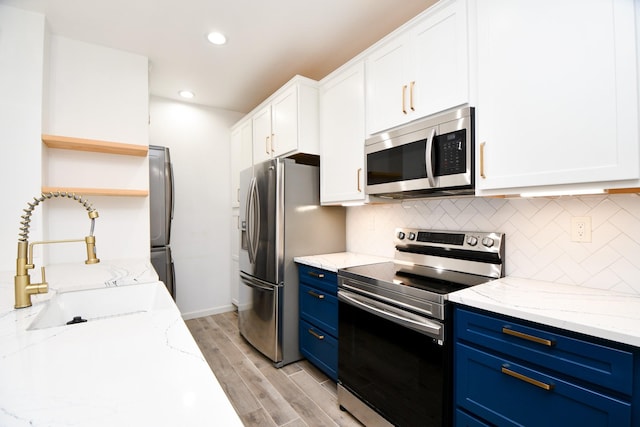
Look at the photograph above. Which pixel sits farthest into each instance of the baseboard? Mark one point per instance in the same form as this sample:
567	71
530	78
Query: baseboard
208	312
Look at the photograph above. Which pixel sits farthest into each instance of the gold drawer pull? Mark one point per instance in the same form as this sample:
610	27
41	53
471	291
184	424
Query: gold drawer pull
318	275
527	337
526	379
315	334
315	294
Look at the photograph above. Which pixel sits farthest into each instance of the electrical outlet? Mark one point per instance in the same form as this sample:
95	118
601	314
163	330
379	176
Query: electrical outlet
581	229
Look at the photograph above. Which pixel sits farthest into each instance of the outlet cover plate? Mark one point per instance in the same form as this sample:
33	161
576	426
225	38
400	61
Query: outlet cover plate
581	229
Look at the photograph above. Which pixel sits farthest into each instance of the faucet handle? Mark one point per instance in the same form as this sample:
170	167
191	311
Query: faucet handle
44	279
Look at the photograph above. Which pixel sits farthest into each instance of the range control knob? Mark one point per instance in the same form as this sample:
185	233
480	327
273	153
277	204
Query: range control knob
472	240
400	235
487	241
412	236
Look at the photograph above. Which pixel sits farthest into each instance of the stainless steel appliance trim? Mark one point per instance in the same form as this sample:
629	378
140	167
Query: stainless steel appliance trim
378	291
403	318
360	410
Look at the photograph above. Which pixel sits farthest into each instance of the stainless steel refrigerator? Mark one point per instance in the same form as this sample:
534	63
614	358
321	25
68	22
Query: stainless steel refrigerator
161	213
280	218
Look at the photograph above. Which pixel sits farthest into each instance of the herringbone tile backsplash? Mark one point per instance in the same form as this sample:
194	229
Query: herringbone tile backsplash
538	238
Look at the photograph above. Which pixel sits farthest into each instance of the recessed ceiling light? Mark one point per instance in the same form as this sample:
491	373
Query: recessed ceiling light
186	94
216	38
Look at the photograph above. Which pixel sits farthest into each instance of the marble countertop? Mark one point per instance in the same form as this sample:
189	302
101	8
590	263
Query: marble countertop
600	313
333	262
139	369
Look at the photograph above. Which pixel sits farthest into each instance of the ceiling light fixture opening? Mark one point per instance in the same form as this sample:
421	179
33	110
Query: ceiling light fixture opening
216	38
187	94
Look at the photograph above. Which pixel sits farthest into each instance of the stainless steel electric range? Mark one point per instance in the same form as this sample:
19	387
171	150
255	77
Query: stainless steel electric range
394	354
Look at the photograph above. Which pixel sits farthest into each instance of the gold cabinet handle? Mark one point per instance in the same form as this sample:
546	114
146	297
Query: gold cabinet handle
522	335
482	174
358	178
404	95
315	334
266	145
526	379
411	85
315	294
317	275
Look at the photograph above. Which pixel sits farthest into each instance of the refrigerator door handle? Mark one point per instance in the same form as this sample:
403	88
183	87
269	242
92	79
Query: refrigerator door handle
256	283
253	220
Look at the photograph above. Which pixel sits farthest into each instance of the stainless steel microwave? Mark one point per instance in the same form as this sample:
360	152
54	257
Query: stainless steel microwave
428	158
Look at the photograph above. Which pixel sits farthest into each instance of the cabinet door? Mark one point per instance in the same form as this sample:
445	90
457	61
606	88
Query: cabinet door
441	56
509	393
236	146
557	92
285	122
246	145
262	135
387	86
342	137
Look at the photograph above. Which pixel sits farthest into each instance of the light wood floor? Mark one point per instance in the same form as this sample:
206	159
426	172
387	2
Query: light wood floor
295	395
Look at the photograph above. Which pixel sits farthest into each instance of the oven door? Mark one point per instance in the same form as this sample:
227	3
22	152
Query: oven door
396	363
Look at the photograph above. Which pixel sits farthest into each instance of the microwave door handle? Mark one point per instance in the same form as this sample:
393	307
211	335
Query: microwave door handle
428	159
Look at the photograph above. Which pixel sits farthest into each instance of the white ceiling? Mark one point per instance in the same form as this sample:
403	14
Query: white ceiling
268	41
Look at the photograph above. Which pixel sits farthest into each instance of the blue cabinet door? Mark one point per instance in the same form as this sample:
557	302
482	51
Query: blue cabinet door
320	348
508	393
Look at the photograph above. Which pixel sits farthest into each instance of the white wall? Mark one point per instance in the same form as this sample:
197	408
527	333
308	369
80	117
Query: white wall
199	140
97	93
538	242
22	53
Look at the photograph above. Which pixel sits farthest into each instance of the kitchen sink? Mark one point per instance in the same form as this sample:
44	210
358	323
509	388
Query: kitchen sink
89	305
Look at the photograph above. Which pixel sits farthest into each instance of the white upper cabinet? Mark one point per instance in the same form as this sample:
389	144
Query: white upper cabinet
420	70
557	94
241	156
342	135
287	123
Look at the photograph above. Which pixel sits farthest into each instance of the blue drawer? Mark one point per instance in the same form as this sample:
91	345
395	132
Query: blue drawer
319	308
320	348
598	364
502	398
318	278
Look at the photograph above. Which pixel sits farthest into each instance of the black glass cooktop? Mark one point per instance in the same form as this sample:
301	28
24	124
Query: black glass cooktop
420	278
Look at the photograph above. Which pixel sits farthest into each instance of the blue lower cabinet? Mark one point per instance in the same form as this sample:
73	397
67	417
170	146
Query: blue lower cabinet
318	326
320	348
509	372
509	394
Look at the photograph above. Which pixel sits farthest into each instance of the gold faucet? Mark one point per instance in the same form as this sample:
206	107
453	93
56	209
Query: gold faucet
22	282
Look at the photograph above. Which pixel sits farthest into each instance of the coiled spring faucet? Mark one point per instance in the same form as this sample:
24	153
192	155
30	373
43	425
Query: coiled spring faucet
22	282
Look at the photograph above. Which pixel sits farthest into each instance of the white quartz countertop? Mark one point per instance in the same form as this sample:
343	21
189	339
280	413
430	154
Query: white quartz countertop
600	313
335	261
138	369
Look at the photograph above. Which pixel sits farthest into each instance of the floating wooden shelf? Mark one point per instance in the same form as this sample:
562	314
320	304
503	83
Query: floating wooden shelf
97	191
81	144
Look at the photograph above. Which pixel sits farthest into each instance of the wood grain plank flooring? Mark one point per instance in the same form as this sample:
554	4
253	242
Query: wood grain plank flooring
296	395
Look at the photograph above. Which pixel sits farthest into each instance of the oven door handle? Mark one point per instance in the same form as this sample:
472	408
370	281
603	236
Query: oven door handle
415	322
